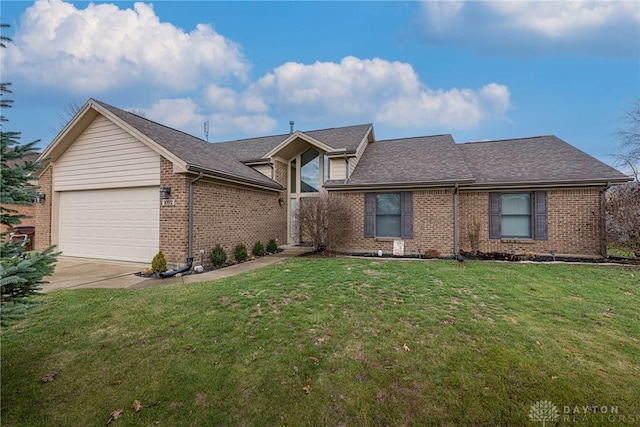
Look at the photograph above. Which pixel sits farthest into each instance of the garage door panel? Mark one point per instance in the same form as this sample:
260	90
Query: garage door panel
120	224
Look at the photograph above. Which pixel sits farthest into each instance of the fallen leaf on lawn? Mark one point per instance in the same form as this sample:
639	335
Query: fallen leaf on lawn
115	415
554	377
49	377
137	406
627	293
307	389
307	379
538	343
314	359
406	348
117	382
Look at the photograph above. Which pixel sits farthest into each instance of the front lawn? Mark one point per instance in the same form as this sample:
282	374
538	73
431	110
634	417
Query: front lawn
335	342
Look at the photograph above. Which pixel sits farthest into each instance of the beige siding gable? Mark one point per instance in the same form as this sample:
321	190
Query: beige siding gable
337	168
265	170
106	156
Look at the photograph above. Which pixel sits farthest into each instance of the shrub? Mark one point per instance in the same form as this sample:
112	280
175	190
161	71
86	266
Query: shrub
324	221
272	246
159	263
258	249
240	252
218	256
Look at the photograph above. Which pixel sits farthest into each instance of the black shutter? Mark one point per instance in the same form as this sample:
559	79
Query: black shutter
541	229
369	214
495	215
406	203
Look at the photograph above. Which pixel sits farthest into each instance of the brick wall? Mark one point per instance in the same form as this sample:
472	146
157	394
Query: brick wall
29	211
228	216
432	224
43	211
573	221
222	214
174	219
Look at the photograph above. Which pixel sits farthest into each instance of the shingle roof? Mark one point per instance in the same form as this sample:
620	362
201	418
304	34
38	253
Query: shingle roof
533	160
193	151
226	158
426	159
421	160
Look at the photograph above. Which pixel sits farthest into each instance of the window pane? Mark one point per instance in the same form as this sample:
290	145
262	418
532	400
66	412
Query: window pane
388	225
516	204
388	215
516	226
294	176
325	166
309	171
292	219
388	203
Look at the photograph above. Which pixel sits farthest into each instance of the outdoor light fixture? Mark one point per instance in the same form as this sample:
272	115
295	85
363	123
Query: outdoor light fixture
40	197
281	202
165	192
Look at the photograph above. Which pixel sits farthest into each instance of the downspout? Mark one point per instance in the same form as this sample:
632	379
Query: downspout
456	251
190	225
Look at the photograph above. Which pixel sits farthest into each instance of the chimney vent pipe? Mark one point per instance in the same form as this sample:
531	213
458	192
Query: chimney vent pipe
291	127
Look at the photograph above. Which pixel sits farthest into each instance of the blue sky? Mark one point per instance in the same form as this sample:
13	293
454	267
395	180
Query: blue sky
477	70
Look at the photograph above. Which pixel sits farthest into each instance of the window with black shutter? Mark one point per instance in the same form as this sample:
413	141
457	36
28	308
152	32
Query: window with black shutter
388	215
518	215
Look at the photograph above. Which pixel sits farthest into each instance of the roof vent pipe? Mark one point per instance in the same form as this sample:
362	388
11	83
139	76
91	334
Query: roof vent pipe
291	127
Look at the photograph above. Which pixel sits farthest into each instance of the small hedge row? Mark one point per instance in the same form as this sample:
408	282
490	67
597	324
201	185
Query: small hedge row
218	255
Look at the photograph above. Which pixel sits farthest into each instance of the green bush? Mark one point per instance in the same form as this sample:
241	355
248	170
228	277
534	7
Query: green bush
258	249
272	246
159	263
240	252
218	256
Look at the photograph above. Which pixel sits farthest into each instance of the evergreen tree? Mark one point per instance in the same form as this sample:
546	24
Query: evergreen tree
21	272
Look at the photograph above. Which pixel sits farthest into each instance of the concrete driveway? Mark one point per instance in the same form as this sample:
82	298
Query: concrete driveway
74	273
78	273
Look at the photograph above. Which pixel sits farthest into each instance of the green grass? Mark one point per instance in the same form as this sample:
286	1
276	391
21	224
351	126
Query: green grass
379	343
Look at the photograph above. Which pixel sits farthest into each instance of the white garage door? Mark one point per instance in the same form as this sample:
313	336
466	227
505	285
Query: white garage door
117	224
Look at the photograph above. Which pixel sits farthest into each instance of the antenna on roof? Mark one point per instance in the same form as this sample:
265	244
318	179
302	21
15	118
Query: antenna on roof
291	127
206	130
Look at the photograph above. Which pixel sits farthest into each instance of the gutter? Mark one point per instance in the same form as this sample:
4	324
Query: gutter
391	185
234	179
562	183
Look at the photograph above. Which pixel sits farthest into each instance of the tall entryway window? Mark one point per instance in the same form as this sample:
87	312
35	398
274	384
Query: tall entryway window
307	173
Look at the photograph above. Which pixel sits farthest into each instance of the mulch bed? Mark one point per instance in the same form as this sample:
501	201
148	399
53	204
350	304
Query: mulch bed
489	256
206	268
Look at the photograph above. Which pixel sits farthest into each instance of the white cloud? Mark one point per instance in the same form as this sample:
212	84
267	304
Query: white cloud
388	93
190	116
602	28
351	91
102	47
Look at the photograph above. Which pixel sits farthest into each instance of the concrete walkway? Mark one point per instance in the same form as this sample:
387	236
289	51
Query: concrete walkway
80	273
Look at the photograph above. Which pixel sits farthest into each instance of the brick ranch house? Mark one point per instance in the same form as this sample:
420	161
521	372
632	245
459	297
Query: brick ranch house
119	186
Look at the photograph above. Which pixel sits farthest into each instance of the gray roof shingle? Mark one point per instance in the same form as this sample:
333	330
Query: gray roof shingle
534	160
225	158
423	160
427	159
193	151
